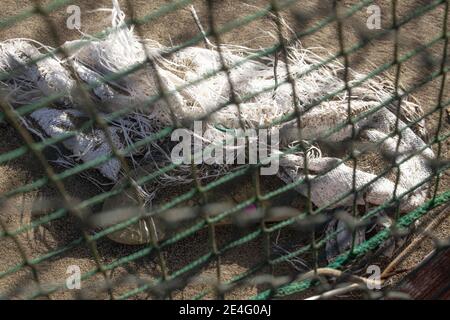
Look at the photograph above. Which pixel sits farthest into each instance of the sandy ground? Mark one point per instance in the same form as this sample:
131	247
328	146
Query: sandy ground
175	28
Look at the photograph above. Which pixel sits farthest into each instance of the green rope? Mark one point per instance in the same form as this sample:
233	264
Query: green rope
363	248
264	231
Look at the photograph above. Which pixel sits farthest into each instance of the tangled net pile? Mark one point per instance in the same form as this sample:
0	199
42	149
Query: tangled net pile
194	89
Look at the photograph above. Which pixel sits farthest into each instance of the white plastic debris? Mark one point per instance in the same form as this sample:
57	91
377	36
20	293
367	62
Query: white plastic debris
122	51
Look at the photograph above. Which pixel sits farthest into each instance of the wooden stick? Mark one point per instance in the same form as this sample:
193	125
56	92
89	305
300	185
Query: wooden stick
208	44
441	216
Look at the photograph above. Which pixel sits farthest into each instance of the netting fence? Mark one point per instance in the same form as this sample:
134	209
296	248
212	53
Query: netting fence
329	276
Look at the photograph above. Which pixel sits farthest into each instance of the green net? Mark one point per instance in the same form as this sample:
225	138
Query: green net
268	270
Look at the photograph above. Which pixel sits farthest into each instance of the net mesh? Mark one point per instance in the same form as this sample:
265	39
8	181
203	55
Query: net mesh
253	217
